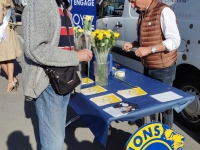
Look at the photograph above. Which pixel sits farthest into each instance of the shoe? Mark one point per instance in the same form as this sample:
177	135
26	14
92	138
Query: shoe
11	86
16	81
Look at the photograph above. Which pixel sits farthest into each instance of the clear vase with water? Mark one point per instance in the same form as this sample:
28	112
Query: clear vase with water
101	72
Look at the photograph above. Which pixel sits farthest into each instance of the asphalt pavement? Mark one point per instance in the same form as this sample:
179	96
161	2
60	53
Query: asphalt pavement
19	124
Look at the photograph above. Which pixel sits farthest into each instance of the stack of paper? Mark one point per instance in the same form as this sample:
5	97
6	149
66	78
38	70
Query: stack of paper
106	99
93	90
86	81
129	93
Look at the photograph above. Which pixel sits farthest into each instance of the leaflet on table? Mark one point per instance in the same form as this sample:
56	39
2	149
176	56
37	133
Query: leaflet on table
106	99
121	109
93	90
129	93
166	96
86	81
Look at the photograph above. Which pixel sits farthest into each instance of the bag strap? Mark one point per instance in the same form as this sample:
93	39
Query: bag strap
65	16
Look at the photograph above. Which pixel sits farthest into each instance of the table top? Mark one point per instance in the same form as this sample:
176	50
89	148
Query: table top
98	120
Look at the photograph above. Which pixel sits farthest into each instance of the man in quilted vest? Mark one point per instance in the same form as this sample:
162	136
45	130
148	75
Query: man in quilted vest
158	39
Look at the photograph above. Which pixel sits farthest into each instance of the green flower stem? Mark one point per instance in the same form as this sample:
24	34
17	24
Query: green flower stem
102	74
88	73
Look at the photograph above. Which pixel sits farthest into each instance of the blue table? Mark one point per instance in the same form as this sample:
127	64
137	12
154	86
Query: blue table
98	121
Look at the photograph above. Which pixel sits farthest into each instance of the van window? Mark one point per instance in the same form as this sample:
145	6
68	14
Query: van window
111	8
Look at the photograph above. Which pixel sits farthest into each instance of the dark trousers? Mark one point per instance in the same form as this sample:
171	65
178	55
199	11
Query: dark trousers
166	75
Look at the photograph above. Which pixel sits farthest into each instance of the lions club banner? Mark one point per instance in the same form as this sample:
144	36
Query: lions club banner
81	8
155	136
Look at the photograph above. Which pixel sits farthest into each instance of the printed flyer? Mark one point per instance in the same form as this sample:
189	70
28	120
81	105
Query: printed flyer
93	90
129	93
86	81
106	99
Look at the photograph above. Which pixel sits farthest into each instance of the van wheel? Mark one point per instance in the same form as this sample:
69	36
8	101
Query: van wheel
190	116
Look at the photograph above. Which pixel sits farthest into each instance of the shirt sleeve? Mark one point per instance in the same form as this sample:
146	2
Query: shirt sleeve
170	29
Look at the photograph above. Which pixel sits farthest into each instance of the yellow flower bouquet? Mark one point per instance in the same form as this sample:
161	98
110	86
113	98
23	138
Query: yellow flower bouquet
102	42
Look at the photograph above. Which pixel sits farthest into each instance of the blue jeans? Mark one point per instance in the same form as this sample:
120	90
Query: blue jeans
166	75
51	110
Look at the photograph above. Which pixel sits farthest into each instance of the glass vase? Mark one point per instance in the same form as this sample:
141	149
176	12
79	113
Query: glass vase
101	72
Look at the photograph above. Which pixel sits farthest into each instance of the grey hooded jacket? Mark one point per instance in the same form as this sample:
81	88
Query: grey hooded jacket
41	29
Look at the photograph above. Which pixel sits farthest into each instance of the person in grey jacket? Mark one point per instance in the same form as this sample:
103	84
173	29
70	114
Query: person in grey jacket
41	28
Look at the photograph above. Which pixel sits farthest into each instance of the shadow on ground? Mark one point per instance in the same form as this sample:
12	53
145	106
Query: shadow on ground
29	109
18	141
116	140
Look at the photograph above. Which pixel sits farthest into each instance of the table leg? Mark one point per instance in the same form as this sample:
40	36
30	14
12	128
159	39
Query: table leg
72	120
109	130
156	117
145	120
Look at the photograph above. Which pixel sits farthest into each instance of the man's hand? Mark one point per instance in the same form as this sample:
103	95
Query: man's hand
84	55
142	51
127	47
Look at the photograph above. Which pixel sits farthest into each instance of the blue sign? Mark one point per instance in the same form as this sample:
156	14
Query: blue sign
81	8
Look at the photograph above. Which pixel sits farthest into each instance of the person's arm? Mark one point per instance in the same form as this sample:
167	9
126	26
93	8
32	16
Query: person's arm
128	46
170	29
37	47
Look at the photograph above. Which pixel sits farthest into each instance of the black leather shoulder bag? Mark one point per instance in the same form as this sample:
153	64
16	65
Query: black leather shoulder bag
63	79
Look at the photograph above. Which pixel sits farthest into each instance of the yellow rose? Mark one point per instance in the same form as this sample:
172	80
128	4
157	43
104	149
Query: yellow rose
80	30
109	30
88	18
100	36
104	32
97	31
108	35
116	34
75	28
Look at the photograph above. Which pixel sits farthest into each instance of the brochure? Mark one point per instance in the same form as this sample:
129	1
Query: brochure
86	81
121	109
106	99
129	93
93	90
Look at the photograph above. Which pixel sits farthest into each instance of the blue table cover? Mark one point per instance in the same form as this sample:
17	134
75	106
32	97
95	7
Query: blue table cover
98	120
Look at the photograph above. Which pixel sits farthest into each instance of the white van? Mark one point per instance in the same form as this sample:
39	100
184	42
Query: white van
123	19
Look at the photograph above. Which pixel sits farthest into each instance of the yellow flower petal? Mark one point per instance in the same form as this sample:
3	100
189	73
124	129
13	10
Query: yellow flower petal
116	34
80	30
88	18
97	31
108	35
100	36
